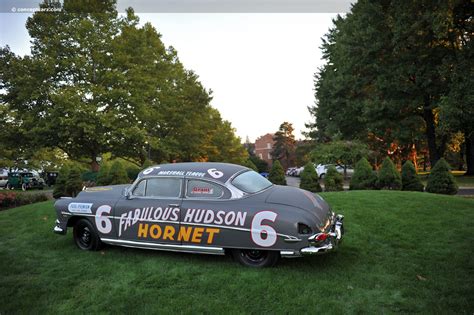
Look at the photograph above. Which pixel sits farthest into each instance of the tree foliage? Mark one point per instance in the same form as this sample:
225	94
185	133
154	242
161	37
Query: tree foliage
98	82
103	178
285	145
277	175
310	179
59	189
262	166
410	179
388	176
390	68
74	182
333	181
440	180
118	174
364	177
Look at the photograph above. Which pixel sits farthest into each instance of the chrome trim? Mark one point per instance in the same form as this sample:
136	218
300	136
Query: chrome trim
292	240
289	254
312	250
168	247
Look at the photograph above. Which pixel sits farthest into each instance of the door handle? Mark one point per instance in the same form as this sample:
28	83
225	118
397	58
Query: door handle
173	205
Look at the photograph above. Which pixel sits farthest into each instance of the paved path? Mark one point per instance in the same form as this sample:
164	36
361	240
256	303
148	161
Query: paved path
295	181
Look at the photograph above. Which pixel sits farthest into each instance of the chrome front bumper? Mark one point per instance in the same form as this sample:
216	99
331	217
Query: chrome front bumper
322	243
58	229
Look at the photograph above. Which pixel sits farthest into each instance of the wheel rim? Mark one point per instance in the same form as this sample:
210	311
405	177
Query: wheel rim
84	237
254	256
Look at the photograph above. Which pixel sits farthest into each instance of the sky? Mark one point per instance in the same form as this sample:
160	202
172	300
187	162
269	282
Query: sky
259	66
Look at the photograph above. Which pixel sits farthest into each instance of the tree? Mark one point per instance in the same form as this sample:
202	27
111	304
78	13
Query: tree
388	68
103	178
364	177
285	144
74	182
389	177
60	185
248	163
277	175
440	180
410	179
117	174
261	165
310	179
333	181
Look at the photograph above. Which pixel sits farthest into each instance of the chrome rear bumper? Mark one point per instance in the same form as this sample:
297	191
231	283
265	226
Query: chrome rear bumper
322	243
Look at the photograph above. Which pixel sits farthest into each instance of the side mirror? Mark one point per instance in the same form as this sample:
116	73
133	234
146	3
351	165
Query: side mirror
127	193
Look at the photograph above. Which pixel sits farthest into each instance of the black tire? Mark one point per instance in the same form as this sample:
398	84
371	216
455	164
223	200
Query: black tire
322	175
8	186
85	236
256	258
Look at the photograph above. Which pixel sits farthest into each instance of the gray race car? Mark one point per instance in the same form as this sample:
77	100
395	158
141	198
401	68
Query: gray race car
212	208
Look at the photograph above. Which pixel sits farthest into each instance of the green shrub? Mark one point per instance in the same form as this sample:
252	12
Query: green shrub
277	175
89	176
147	164
74	182
60	185
410	179
440	180
333	181
103	175
248	163
389	177
132	172
364	177
310	179
117	174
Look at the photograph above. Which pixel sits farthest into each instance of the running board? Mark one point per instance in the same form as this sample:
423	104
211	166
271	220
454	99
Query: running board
167	247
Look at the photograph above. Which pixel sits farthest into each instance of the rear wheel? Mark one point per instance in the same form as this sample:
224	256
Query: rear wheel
85	236
8	186
256	258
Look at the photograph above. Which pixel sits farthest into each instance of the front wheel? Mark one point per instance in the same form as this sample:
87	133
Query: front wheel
23	187
256	258
85	236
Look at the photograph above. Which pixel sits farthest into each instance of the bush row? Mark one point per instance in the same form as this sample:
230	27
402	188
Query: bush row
12	199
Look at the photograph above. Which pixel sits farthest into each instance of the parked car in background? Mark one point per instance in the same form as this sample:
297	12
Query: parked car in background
298	171
207	208
51	178
265	174
24	181
322	169
3	180
291	171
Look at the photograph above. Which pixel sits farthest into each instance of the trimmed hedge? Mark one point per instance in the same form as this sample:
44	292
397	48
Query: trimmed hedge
440	180
333	181
277	175
310	179
364	177
388	176
410	179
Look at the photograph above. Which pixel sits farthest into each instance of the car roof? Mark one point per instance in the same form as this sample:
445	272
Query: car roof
207	170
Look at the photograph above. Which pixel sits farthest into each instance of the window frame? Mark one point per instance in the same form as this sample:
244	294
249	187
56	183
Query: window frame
180	179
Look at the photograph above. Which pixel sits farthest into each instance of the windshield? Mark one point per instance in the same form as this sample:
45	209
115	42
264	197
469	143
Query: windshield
251	182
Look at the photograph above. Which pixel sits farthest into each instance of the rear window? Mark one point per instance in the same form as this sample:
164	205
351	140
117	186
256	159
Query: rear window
251	182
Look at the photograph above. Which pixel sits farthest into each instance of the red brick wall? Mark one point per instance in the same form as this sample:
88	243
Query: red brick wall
264	147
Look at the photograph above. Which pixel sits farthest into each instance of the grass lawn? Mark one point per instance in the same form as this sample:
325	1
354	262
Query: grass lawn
403	252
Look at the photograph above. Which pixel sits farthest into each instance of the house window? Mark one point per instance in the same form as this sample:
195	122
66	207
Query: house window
269	145
269	156
260	155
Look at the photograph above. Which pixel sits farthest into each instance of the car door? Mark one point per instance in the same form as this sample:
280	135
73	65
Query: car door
151	213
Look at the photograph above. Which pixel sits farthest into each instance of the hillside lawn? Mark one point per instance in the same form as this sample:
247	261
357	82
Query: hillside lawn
403	252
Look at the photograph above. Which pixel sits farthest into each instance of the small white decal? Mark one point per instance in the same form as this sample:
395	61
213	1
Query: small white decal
77	207
215	173
149	170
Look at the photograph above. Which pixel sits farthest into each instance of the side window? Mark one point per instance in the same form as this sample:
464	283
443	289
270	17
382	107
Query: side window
163	187
203	189
140	189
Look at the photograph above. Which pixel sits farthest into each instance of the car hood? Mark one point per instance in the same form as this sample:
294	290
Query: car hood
299	198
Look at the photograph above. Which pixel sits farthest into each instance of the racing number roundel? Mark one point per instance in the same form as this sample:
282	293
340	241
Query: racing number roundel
258	230
215	173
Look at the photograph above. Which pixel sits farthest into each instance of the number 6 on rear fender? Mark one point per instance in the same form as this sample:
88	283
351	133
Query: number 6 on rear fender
257	228
103	223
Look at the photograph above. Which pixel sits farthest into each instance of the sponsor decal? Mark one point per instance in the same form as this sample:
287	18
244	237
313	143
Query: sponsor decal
77	207
202	191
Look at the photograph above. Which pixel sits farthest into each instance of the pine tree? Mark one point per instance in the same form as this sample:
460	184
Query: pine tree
440	180
117	174
364	177
333	181
410	179
389	177
277	175
310	179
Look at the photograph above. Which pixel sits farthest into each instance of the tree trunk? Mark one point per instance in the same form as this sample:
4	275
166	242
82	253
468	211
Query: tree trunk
430	132
470	154
94	166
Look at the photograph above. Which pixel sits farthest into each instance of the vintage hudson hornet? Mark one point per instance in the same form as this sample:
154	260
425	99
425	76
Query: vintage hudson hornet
212	208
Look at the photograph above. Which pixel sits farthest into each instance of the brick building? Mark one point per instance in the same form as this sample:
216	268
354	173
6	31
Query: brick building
264	147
